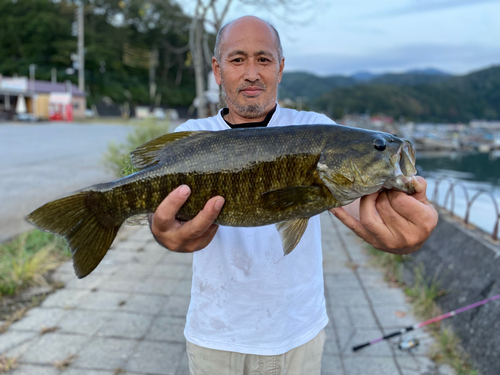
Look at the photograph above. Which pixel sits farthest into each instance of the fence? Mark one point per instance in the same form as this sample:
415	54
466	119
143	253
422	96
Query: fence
468	201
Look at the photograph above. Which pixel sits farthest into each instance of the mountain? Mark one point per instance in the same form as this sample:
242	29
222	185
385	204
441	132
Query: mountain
364	76
449	99
309	86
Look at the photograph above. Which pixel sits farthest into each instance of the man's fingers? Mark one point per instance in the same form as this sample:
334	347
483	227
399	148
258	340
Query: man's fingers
166	211
420	189
352	223
201	223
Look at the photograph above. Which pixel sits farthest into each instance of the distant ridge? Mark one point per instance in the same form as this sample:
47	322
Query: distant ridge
418	95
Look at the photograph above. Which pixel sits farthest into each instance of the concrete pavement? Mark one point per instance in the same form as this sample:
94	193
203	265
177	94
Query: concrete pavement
128	316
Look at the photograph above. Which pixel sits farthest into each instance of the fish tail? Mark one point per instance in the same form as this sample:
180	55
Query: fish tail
76	218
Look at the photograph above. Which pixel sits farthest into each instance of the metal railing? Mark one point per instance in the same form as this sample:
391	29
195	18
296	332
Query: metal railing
469	202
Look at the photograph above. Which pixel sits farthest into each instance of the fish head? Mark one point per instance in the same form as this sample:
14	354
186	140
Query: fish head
364	162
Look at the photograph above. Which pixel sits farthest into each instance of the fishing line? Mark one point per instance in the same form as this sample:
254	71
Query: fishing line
422	324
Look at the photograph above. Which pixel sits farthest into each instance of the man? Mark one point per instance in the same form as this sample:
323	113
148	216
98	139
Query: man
252	310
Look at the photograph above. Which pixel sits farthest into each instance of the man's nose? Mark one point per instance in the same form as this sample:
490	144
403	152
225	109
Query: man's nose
252	72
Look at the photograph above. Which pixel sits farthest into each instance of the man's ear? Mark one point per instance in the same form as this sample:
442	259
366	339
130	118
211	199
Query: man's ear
282	66
216	70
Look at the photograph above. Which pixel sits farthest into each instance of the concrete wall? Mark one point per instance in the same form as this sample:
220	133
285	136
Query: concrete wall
468	268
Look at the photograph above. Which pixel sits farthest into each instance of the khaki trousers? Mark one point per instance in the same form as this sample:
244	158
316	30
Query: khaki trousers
304	360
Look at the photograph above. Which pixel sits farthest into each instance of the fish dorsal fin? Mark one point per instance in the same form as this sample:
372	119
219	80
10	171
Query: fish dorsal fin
291	232
149	153
281	199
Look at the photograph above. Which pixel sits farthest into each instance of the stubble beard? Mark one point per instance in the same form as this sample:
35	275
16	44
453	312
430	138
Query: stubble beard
248	111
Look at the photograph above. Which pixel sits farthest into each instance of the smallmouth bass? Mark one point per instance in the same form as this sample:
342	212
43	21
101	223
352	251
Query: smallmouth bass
279	175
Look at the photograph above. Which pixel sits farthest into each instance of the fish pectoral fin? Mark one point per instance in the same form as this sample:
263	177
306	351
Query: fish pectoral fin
149	153
291	232
281	199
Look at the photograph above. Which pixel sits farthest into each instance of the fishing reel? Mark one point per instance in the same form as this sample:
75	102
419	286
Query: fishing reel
408	343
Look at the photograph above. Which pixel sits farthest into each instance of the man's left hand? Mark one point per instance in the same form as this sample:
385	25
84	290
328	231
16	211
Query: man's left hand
393	221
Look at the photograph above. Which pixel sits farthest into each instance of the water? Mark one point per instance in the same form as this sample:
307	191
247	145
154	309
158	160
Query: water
473	172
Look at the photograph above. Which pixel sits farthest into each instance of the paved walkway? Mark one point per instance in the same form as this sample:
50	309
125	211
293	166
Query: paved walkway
128	316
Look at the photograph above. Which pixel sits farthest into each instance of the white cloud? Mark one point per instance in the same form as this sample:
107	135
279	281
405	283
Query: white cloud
459	59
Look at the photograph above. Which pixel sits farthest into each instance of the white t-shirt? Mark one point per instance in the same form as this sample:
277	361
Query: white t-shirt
248	297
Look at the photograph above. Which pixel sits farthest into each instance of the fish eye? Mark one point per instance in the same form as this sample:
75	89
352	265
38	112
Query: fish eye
379	144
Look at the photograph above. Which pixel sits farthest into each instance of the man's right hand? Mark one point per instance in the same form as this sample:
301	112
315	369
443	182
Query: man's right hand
189	236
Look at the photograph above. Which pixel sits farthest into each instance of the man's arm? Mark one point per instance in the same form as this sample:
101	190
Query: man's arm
189	236
392	221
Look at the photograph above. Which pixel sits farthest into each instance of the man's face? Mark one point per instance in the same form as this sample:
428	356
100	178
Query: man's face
249	70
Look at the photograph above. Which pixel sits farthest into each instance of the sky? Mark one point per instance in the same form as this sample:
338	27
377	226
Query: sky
349	36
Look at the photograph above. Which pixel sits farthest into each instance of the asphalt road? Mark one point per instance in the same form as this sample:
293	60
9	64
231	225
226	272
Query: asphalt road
41	162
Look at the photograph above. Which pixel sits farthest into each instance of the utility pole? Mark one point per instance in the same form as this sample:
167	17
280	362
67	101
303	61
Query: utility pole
32	77
81	52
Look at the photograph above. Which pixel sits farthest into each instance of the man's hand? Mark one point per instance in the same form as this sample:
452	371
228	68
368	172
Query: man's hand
393	221
189	236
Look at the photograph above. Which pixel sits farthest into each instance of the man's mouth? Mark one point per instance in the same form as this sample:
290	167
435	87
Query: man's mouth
252	90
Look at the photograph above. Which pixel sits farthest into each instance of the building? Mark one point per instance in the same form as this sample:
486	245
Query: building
40	100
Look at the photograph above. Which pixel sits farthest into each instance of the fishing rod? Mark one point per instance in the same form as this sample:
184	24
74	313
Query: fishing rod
420	325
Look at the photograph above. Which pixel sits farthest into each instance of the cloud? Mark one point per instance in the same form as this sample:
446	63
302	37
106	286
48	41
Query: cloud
431	5
458	59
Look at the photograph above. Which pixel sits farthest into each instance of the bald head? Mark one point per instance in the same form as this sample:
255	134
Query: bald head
249	22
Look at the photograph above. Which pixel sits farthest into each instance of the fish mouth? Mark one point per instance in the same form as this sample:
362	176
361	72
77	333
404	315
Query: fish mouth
404	169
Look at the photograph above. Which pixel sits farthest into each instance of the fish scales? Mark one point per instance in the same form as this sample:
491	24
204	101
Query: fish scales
280	175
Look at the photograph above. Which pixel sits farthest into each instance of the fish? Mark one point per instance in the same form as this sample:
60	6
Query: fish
279	175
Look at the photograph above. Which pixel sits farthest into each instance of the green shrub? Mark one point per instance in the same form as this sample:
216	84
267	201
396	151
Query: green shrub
117	158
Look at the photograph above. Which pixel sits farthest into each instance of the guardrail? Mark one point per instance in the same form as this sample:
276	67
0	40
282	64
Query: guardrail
469	202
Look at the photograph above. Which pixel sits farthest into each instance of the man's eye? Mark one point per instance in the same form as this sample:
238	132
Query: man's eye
237	60
264	59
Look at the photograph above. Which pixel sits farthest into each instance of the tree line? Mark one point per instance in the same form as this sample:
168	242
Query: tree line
120	39
414	97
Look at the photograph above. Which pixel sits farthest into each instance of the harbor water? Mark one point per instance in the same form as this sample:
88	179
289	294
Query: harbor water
473	171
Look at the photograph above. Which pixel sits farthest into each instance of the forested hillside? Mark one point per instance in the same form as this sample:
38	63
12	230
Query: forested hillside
41	32
415	96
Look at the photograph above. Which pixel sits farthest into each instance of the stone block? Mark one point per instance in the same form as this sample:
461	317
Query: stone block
165	287
342	281
331	346
167	328
331	365
112	284
346	298
53	347
105	301
358	365
35	370
105	353
183	367
12	339
183	288
170	271
394	317
77	371
156	358
128	325
84	322
387	296
373	279
179	258
145	304
38	318
176	306
66	298
134	271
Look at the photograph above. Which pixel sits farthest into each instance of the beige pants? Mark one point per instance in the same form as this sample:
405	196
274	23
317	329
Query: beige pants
304	360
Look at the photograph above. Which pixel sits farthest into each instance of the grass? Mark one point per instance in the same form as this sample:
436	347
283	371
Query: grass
423	294
26	260
117	159
391	263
